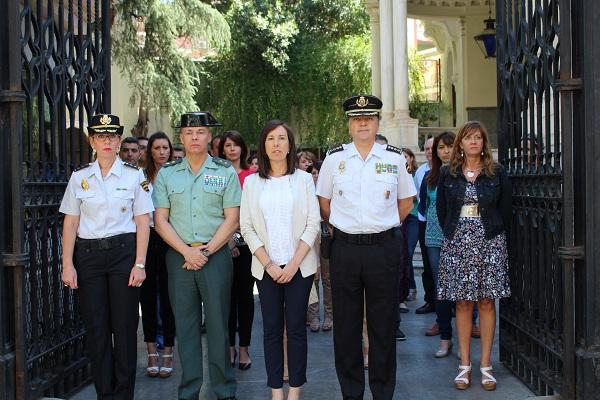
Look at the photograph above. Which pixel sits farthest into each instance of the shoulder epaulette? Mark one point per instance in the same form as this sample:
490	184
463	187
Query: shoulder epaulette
171	163
131	165
395	149
82	167
222	162
335	149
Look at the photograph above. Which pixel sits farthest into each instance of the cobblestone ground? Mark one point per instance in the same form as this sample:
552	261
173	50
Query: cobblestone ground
419	376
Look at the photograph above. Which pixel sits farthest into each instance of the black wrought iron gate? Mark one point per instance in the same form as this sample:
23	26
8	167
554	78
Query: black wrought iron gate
549	122
54	73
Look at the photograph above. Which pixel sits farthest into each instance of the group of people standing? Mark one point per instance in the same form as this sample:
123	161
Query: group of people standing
197	233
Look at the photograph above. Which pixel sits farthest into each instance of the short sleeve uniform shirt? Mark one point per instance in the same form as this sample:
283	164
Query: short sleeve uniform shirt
106	206
196	202
364	193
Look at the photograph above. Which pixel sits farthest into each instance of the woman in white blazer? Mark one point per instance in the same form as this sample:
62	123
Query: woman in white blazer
279	219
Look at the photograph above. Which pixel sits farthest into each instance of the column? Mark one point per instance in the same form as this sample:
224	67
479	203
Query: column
387	60
400	58
373	10
402	131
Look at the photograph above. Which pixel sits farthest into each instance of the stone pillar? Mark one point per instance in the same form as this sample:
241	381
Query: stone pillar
401	130
387	60
373	10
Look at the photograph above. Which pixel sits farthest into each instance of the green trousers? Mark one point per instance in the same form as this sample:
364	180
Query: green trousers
188	290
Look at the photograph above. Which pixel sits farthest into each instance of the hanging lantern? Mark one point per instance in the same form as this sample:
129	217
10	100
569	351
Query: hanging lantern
486	40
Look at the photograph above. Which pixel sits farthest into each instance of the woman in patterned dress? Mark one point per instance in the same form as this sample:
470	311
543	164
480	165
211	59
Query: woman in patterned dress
474	210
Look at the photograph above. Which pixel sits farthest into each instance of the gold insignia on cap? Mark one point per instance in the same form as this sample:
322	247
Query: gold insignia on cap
105	119
361	101
84	184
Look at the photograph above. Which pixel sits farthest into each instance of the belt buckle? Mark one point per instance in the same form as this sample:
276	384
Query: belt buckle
196	244
103	244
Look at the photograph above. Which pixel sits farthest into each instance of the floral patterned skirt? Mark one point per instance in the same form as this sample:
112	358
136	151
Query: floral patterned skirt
471	266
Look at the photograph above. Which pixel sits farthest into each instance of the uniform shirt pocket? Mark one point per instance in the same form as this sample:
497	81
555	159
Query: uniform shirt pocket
343	190
123	198
177	196
385	191
88	201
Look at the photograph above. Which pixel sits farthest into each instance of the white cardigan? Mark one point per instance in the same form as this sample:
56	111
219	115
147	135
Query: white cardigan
306	219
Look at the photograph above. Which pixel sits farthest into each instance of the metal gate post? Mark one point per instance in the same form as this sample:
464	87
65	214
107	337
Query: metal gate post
588	352
11	99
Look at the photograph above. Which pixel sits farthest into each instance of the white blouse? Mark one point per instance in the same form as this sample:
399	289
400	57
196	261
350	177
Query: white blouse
276	203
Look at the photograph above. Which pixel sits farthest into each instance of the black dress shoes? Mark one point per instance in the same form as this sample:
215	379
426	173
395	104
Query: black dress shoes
425	309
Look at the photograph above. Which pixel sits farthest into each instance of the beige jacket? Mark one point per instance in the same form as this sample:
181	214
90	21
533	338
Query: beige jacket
306	219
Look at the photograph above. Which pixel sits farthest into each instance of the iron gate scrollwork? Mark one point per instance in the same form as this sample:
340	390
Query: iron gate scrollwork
535	121
64	67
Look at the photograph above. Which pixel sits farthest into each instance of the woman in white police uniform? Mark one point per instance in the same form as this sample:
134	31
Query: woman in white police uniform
105	237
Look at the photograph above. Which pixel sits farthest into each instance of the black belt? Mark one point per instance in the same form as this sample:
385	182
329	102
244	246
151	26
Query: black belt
362	238
104	243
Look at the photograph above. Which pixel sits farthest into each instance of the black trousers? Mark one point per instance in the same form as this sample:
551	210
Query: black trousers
241	312
285	304
372	271
109	309
427	275
155	287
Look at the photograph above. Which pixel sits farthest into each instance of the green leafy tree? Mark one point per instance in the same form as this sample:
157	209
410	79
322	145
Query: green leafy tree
159	72
292	60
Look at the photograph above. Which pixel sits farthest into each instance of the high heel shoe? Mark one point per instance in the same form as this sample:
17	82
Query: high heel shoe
441	353
166	372
488	382
152	371
463	379
244	366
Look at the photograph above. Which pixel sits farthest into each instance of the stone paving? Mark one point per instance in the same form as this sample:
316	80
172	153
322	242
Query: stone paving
419	376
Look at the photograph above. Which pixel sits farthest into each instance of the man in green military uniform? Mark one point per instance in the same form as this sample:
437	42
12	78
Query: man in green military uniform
197	203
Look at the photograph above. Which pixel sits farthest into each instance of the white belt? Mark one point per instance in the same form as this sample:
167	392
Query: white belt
470	211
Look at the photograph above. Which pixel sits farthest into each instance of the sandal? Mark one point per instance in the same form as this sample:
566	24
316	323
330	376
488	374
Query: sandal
166	372
463	379
152	370
488	382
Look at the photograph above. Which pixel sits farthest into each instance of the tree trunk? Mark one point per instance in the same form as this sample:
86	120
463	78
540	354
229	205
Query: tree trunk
140	129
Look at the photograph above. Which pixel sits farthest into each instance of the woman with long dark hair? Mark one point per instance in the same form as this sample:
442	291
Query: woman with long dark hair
475	211
241	313
442	150
279	218
155	291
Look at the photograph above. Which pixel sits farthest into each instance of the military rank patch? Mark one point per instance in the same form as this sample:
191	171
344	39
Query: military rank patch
335	149
171	163
130	165
82	167
144	186
215	181
381	168
221	162
394	149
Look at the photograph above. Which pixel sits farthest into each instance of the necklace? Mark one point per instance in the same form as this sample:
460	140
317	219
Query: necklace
470	173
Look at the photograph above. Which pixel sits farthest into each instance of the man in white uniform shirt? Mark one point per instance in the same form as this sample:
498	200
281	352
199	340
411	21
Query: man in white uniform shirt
364	193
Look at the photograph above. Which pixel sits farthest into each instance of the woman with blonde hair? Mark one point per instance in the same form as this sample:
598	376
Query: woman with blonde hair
474	209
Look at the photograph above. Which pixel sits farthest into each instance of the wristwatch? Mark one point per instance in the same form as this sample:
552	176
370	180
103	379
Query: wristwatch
206	253
140	266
